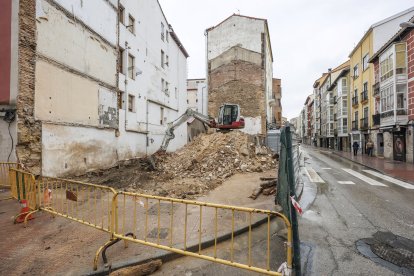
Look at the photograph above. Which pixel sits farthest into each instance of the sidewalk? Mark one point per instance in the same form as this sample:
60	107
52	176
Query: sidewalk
397	169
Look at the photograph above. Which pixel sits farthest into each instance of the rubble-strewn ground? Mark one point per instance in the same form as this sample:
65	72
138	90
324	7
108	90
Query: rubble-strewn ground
198	167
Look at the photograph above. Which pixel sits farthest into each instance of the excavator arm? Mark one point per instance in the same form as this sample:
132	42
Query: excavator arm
169	133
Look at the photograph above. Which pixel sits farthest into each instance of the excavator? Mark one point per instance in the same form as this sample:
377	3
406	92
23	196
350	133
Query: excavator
228	118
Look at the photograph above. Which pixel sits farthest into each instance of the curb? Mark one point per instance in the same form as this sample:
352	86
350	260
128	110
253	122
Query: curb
170	256
372	168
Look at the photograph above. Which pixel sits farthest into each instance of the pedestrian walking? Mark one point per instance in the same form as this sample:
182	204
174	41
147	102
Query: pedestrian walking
355	146
370	147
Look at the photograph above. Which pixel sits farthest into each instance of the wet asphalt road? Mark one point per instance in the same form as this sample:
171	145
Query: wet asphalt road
349	206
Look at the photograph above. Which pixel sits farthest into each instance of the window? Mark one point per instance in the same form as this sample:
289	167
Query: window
176	93
366	112
166	60
365	88
162	31
162	121
400	56
344	86
166	91
131	66
386	66
121	14
365	63
356	71
131	24
121	61
387	98
131	103
166	36
162	85
162	58
401	96
356	116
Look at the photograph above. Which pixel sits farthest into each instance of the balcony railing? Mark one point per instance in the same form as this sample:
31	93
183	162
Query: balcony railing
364	123
364	96
354	125
376	119
355	100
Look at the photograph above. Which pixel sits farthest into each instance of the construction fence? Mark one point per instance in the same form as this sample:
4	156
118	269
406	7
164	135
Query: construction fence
155	221
289	180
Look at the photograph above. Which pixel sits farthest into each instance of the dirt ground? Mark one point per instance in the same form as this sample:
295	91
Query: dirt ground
192	171
59	246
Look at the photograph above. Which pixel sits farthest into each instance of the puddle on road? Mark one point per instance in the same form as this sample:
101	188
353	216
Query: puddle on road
391	251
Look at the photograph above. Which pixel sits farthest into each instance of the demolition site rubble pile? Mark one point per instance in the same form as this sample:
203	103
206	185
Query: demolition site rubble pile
216	156
195	169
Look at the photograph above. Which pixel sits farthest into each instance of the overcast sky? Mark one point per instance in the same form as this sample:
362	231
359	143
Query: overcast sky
307	36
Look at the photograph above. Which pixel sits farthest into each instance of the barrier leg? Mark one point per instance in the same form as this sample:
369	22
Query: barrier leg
28	217
103	247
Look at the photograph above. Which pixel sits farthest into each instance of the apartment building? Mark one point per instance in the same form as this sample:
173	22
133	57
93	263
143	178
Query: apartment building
394	96
340	90
362	77
307	119
277	106
197	96
96	80
239	68
317	89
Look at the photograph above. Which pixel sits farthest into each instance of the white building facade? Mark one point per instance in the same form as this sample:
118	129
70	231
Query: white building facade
100	91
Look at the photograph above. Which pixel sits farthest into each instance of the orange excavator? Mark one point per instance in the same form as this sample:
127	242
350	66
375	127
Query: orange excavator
228	118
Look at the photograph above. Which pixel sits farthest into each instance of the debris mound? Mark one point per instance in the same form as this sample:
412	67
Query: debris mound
195	169
217	156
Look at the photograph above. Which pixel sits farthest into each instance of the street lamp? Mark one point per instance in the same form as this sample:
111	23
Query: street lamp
407	25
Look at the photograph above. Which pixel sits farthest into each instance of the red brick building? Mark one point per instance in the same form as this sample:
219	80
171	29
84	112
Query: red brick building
397	55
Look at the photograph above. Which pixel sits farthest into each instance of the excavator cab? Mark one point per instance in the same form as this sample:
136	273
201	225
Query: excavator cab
229	117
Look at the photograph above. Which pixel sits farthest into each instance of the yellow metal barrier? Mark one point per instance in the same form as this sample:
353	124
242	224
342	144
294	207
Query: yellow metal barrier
163	223
4	173
85	203
23	186
175	225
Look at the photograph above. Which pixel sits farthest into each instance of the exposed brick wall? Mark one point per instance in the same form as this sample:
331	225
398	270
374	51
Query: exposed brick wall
239	82
29	147
409	39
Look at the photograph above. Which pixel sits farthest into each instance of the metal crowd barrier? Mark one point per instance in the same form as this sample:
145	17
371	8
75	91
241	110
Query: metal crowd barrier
23	186
154	221
85	203
163	223
4	173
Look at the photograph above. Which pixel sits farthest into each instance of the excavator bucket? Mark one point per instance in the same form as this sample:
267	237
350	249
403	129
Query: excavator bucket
229	117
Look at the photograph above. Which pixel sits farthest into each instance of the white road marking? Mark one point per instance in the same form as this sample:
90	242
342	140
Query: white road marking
346	182
390	179
313	176
370	181
326	168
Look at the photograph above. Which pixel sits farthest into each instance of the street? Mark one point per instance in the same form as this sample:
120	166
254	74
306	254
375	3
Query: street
352	204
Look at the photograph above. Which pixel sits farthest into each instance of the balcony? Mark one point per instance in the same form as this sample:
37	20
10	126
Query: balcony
355	125
364	123
354	100
364	97
376	119
376	89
